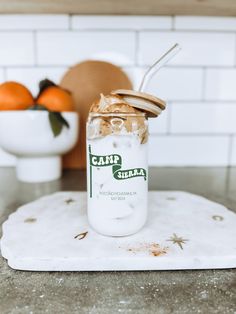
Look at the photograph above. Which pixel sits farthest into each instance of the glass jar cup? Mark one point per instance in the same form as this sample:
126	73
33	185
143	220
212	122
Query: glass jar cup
117	172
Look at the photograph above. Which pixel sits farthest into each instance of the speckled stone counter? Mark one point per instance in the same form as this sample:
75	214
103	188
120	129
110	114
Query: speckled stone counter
119	292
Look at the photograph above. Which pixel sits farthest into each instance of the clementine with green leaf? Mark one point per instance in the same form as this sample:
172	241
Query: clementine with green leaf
54	98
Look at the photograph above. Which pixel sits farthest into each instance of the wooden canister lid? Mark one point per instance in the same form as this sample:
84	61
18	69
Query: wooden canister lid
150	104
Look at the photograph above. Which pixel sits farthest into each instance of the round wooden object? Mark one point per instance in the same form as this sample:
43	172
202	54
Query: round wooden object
150	104
86	81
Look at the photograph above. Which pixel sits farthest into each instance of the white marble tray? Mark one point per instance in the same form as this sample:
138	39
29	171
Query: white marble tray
184	231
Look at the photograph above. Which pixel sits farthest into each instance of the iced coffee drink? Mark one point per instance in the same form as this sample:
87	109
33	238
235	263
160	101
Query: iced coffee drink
117	166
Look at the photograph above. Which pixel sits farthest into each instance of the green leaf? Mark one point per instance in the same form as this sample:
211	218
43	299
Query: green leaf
37	107
57	122
56	125
44	84
61	119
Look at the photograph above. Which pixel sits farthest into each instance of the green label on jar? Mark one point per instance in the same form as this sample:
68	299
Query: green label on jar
115	161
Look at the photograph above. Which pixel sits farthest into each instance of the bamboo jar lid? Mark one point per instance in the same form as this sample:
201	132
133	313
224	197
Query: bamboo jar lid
150	104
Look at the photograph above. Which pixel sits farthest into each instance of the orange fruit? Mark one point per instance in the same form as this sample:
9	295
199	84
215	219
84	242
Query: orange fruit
15	96
55	98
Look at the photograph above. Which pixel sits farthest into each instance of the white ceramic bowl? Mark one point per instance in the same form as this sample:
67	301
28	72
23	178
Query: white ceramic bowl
27	135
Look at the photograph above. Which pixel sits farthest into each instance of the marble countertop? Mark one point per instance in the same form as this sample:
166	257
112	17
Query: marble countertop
209	291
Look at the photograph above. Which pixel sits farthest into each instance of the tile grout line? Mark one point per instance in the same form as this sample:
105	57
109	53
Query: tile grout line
196	66
153	30
35	47
235	50
186	135
70	22
4	73
137	48
204	89
169	117
230	149
141	66
209	102
187	31
173	23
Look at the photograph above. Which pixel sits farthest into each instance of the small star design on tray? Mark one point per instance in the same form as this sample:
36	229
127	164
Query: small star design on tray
81	236
178	240
69	201
171	198
30	220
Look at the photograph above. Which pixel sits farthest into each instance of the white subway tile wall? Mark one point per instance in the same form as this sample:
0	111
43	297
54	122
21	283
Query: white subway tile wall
199	48
203	118
188	150
69	47
17	48
198	127
177	84
122	22
31	76
2	76
33	22
220	84
205	23
162	126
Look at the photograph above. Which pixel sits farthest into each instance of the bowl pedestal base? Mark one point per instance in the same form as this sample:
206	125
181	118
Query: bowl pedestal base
38	169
